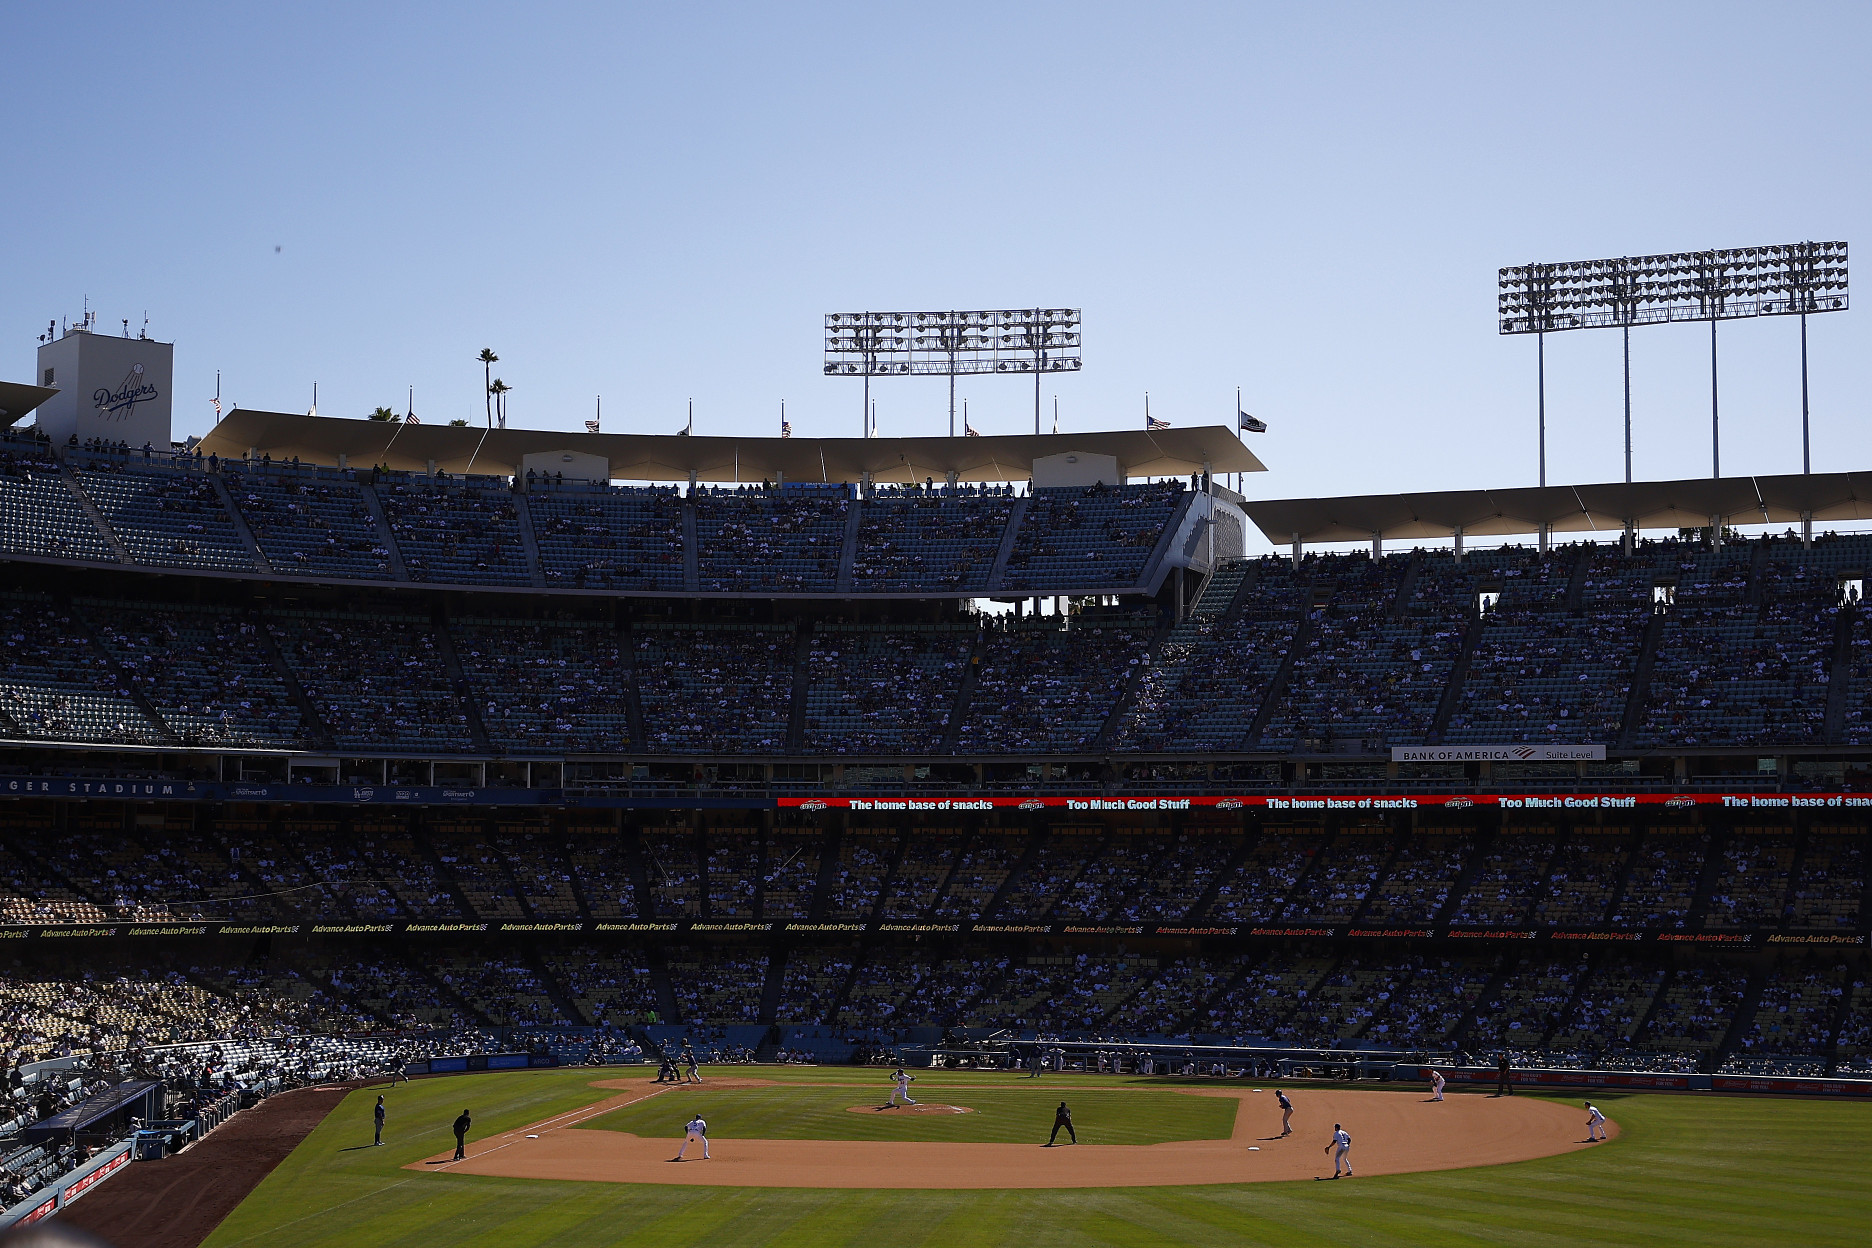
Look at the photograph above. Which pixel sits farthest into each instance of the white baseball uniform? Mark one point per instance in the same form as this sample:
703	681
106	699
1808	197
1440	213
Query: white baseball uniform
901	1087
697	1130
1595	1124
1342	1151
1436	1084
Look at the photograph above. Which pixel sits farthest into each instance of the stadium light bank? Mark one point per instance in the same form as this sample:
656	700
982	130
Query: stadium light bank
1793	279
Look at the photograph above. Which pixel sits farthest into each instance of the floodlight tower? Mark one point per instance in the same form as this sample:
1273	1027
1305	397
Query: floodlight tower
952	344
1788	280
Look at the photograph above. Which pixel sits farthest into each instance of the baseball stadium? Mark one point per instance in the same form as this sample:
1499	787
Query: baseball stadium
712	840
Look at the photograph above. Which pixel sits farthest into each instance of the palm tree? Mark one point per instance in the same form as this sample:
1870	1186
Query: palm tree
488	361
384	414
458	423
499	391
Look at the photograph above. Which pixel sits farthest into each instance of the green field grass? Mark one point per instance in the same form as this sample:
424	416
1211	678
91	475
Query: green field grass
1688	1170
1009	1113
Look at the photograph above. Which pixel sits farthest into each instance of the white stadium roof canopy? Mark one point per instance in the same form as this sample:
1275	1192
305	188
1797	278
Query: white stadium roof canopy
1820	497
672	457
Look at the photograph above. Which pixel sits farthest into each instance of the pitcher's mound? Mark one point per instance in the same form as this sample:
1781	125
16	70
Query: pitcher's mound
921	1107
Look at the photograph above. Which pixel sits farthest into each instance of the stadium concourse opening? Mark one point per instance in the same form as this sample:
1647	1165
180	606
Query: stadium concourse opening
322	768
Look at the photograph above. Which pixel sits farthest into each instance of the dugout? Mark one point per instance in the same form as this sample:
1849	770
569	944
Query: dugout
107	1113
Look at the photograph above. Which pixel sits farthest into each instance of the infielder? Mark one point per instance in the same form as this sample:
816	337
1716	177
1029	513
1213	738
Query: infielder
1595	1123
1286	1112
1062	1118
900	1087
1341	1149
695	1130
1436	1085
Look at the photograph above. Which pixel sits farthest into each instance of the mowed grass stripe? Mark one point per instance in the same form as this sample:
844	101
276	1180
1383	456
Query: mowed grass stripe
1007	1115
1688	1170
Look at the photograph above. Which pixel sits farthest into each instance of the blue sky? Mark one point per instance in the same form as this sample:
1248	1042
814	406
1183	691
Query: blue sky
655	203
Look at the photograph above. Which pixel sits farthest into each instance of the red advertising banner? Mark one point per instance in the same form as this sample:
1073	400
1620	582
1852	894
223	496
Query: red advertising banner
74	1190
1407	801
44	1209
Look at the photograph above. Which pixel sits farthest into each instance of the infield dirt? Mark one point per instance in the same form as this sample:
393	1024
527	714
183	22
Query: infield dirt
1392	1133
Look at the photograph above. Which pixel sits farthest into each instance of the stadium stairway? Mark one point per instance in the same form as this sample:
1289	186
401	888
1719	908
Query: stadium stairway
691	552
1121	705
1740	1023
1616	897
444	874
1407	585
126	684
387	534
241	529
529	543
633	703
1200	907
1400	833
802	685
1839	677
997	575
1277	684
555	991
1713	859
660	984
965	694
823	883
1576	580
1460	886
1459	1034
96	517
771	987
1633	718
1459	673
1313	863
458	680
315	725
848	546
1036	839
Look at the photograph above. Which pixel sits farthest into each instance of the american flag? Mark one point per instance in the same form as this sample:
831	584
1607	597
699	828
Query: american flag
1151	422
786	428
591	426
411	419
968	430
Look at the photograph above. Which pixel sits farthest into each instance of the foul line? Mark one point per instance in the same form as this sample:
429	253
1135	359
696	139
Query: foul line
584	1113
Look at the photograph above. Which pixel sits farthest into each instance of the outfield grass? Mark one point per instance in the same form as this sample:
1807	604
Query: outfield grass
1689	1170
1006	1114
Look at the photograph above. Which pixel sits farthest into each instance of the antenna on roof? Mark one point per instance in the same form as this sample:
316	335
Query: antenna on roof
126	325
145	330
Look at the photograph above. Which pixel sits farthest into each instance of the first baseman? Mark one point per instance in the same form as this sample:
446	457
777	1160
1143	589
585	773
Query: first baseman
1341	1149
1595	1123
900	1086
695	1129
